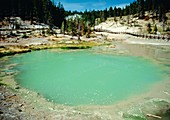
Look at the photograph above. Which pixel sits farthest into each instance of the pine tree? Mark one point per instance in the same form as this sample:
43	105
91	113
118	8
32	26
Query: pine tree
40	10
105	14
111	12
115	12
155	29
149	28
141	9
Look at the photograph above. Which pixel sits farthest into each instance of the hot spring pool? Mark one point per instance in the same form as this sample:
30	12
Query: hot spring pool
85	78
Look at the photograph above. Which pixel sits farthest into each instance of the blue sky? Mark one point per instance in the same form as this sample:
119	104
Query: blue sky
82	5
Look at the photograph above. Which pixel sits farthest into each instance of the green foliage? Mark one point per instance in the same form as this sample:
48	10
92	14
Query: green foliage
111	12
3	84
149	28
49	32
63	28
47	12
168	29
155	29
25	36
75	47
141	9
43	11
136	7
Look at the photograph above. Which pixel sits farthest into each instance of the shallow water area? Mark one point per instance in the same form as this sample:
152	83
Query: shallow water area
84	77
152	98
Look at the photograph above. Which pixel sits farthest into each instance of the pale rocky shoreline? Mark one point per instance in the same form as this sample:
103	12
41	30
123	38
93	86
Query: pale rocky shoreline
18	103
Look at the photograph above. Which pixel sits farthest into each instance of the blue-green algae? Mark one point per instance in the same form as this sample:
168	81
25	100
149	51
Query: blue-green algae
85	78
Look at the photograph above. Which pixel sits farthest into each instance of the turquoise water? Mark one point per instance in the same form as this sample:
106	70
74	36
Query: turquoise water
85	78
